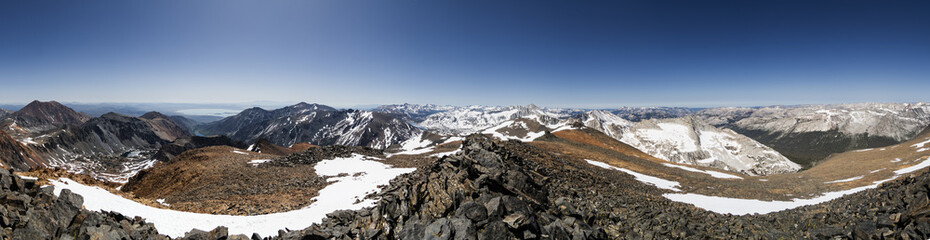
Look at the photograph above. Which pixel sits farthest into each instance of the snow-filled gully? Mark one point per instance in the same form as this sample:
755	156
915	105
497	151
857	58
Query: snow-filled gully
738	206
342	194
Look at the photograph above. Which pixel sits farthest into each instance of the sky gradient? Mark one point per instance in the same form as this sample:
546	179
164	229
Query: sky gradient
552	53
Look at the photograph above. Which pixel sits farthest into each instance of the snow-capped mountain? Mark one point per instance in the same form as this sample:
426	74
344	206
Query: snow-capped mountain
314	124
413	112
252	116
472	119
810	133
691	141
637	114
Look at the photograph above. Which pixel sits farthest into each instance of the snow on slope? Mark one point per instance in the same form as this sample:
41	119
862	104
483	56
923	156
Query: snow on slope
715	174
341	194
647	179
473	119
898	121
690	141
519	129
739	206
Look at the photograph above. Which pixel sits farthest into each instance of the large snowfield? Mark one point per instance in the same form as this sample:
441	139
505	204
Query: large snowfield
344	193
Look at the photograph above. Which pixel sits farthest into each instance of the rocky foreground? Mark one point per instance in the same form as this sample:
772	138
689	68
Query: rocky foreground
505	190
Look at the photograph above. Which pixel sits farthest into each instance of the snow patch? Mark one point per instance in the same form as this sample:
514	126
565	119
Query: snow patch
240	152
28	177
530	136
443	154
708	172
258	161
737	206
658	182
846	180
921	144
921	165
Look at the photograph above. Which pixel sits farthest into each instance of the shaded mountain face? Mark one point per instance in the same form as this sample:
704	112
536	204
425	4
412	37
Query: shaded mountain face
253	116
807	134
690	141
4	113
314	124
184	122
110	134
165	127
15	155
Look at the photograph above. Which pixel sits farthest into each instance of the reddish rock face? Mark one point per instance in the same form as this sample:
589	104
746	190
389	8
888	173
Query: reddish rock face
15	155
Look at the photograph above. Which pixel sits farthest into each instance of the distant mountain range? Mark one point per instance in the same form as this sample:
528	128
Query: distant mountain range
807	134
757	141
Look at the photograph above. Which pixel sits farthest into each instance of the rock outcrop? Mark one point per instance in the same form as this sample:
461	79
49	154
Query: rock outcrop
180	145
483	193
28	211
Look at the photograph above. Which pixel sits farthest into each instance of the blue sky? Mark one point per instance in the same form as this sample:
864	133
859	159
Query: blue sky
552	53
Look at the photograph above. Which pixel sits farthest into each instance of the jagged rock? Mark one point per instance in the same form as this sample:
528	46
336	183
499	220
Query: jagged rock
30	212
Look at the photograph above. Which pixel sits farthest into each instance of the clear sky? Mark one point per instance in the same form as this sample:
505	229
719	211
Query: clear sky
552	53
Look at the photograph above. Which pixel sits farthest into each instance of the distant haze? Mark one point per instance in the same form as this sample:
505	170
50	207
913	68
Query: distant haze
556	54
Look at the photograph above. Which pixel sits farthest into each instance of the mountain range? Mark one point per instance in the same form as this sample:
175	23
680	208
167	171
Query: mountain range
485	171
314	124
807	134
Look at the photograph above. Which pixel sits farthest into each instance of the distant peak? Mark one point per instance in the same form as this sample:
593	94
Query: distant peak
254	109
153	115
112	115
37	103
309	106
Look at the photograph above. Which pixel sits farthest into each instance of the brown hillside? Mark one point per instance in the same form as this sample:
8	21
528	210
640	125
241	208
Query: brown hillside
858	168
15	155
218	180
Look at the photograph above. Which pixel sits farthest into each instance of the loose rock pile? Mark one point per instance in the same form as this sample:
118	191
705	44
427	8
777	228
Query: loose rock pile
480	194
28	211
